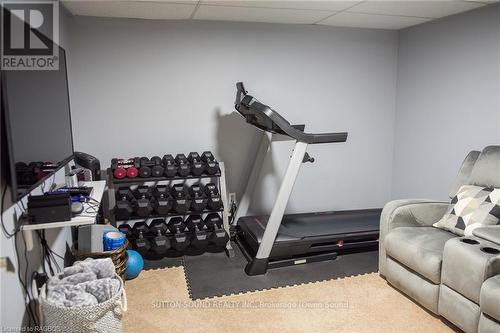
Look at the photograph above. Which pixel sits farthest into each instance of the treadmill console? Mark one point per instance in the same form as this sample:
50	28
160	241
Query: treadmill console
265	118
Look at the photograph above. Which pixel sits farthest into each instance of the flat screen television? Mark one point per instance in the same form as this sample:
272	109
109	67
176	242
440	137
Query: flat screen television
36	110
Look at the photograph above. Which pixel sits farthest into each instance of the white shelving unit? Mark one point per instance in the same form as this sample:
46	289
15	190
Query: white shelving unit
98	188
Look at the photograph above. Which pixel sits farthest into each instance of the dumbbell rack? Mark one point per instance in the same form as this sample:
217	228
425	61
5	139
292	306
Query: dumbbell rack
114	183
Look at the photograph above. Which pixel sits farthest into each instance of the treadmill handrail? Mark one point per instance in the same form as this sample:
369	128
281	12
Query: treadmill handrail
245	101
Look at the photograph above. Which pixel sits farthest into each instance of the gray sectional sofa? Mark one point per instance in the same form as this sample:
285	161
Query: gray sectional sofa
455	277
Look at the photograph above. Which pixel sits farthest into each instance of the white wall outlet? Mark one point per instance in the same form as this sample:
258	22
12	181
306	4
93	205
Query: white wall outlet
3	262
232	197
6	263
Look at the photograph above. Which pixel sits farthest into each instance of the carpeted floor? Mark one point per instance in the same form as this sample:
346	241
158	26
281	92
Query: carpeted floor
158	301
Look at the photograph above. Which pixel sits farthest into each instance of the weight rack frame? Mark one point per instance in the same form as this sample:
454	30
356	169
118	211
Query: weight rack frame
220	177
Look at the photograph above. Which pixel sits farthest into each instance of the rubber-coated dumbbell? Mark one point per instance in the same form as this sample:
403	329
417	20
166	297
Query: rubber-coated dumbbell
183	167
42	169
211	164
125	203
160	243
217	235
143	204
144	169
25	174
180	197
141	243
157	169
197	165
163	202
151	167
198	198
125	167
169	166
198	233
214	200
180	240
126	229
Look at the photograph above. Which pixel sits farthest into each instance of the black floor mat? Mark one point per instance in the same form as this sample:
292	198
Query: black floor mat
214	274
162	263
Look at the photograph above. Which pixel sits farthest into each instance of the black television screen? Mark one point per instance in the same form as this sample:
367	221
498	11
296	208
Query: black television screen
38	124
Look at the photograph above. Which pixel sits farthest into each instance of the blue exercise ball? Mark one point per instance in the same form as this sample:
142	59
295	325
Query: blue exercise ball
135	264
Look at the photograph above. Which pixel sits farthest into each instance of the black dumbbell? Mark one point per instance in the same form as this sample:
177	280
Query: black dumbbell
141	243
125	203
157	169
156	160
126	229
160	243
151	167
194	223
25	174
211	164
163	202
169	166
198	198
144	169
214	200
217	235
183	167
143	204
180	196
177	227
198	232
197	165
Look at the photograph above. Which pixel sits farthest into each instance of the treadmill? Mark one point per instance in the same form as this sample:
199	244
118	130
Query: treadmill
282	240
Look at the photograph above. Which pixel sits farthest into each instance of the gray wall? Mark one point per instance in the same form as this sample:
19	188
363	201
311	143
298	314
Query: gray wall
448	99
12	308
143	87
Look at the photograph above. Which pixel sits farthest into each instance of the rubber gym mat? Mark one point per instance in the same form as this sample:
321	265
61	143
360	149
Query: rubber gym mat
162	263
214	274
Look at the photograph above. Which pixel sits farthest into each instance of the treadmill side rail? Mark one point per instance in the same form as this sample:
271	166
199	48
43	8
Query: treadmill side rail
254	267
257	266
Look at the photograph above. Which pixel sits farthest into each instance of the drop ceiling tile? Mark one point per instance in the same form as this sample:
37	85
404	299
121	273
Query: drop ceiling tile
132	9
433	9
372	21
290	4
182	2
250	14
483	1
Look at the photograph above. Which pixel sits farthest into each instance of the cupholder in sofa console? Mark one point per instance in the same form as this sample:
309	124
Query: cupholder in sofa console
469	241
490	250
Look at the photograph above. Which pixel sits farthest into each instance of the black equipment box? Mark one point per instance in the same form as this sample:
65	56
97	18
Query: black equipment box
49	208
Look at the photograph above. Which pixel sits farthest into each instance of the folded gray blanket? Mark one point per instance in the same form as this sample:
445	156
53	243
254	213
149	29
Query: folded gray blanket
87	282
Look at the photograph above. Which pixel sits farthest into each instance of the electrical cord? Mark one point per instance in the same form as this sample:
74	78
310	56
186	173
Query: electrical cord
232	212
7	234
48	255
32	317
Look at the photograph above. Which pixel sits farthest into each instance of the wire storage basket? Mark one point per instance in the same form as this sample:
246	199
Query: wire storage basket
119	257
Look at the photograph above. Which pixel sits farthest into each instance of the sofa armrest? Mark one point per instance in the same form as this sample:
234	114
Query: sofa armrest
407	213
490	233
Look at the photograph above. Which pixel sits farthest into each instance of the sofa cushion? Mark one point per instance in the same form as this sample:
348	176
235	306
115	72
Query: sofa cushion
490	297
473	207
464	172
490	233
485	170
488	325
419	248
